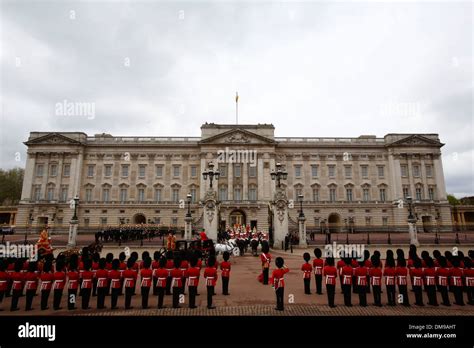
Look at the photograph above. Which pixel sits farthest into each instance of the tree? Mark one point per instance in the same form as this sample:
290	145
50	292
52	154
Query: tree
11	182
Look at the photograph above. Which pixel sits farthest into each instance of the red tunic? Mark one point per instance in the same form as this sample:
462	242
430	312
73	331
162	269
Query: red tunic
402	275
18	279
130	277
193	276
330	272
266	258
469	274
73	280
176	278
225	268
169	266
102	276
443	275
430	276
375	274
389	273
161	274
307	270
210	273
145	275
318	265
59	280
278	277
115	279
417	274
456	276
4	277
361	275
339	265
47	281
31	279
87	279
346	273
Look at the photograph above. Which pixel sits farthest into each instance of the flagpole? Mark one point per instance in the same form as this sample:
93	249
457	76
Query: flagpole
236	108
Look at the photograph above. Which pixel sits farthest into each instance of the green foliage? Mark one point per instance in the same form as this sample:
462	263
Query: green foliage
11	182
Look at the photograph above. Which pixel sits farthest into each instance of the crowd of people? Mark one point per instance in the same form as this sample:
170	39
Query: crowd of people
127	233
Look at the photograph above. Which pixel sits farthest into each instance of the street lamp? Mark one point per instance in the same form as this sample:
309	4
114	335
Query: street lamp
189	198
76	203
211	173
279	174
437	218
300	199
411	218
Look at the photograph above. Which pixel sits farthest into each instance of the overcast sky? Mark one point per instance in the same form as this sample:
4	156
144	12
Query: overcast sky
311	68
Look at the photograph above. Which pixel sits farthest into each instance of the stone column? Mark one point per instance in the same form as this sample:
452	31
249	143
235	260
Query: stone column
413	233
411	178
210	217
73	225
245	181
439	177
261	180
203	183
188	234
230	181
280	218
28	177
302	231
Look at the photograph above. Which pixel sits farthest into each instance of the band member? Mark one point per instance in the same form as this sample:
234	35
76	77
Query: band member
73	282
59	277
225	269
184	271
176	281
417	274
469	274
346	273
130	277
456	281
102	282
154	266
86	285
430	281
389	273
307	271
3	279
169	268
330	273
443	280
146	275
193	280
18	279
401	272
115	282
210	274
161	278
368	264
122	268
266	258
375	273
94	268
318	265
31	284
278	281
361	279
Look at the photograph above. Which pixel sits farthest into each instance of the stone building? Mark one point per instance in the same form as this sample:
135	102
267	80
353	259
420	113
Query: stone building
347	183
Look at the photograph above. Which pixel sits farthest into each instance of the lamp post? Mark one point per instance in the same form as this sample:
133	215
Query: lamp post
412	222
279	174
437	218
76	203
301	223
73	225
188	218
300	199
211	173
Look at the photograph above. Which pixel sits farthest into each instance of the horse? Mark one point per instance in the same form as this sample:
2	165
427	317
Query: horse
230	246
254	245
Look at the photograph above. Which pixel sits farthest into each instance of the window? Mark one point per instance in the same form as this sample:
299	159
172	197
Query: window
237	172
252	171
141	195
193	171
297	171
105	194
108	170
157	220
237	194
159	171
86	221
252	193
316	195
364	172
158	195
332	171
176	171
349	194
39	170
332	194
385	221
418	193
37	192
123	195
125	170
431	193
54	170
88	195
382	194
175	195
405	192
416	170
90	170
67	170
367	220
348	172
429	171
64	190
103	221
50	193
381	171
223	193
366	194
193	195
59	221
314	171
141	170
223	170
404	170
174	221
298	191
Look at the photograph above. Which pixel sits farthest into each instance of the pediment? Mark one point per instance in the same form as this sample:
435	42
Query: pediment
237	136
416	140
53	139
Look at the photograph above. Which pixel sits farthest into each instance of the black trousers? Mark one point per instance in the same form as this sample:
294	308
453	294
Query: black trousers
225	285
210	293
86	296
319	282
192	296
403	290
161	294
155	290
377	290
331	291
391	295
94	286
145	293
71	298
362	295
307	289
2	295
431	292
346	289
57	296
279	296
168	286
15	296
176	293
470	295
44	299
444	295
265	276
458	299
128	297
418	295
101	293
29	299
114	297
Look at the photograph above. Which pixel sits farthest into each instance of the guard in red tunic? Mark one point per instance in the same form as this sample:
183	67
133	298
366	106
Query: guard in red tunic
86	284
225	273
169	268
442	274
430	281
94	268
390	281
210	274
347	273
176	281
115	280
307	271
456	281
469	276
31	284
184	271
401	272
339	266
193	281
375	273
361	273
161	275
102	280
330	274
18	280
154	266
278	281
417	273
266	259
59	283
47	279
145	275
130	277
73	282
3	279
318	265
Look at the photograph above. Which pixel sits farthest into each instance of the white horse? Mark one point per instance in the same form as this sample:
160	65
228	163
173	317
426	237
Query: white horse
230	246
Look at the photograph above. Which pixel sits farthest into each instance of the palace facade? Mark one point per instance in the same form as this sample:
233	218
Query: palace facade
347	183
